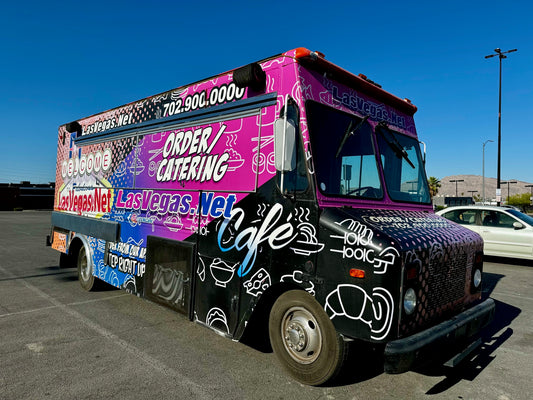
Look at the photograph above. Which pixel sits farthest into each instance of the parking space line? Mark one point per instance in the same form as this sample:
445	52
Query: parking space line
198	390
68	305
516	296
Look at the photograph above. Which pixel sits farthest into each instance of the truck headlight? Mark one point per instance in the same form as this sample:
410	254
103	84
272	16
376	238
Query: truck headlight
477	278
477	269
409	301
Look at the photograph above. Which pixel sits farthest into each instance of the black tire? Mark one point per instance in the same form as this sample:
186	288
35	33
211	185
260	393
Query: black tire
66	261
85	271
304	339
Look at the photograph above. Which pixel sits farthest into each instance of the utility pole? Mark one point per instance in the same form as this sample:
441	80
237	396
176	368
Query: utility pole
508	189
531	197
456	180
486	141
501	55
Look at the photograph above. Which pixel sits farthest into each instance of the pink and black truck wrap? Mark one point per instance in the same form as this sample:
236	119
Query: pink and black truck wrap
289	193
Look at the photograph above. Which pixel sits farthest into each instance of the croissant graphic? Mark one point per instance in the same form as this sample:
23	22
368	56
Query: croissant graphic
353	302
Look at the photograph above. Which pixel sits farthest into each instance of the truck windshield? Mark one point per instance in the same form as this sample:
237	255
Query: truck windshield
345	158
344	154
405	177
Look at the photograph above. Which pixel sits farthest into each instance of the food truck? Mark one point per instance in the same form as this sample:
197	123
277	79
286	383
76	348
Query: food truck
288	190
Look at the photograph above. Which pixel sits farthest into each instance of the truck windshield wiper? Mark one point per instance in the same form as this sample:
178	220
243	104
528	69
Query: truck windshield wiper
349	132
394	144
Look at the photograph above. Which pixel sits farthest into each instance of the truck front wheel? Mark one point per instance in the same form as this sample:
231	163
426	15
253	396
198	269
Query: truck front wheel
304	338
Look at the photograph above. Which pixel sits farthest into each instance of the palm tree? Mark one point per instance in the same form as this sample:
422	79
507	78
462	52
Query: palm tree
434	185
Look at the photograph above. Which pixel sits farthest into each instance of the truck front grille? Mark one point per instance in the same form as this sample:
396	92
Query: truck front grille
446	283
442	290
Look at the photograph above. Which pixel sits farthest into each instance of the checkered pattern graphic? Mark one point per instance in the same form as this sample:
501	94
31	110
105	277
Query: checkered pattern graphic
123	165
443	254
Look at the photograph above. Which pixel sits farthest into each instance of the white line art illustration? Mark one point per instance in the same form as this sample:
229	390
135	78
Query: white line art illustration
358	245
261	161
235	159
222	272
175	95
156	138
258	283
138	243
200	269
297	276
119	215
113	278
100	270
121	169
154	166
173	223
306	242
376	311
137	168
101	246
359	233
129	284
216	319
386	257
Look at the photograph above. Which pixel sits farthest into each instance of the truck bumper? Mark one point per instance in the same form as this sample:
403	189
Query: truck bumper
402	354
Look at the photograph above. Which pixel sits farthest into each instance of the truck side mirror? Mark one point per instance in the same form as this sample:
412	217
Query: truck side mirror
285	144
423	152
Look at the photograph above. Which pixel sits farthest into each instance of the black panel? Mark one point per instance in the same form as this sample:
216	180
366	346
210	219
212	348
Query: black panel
98	228
168	273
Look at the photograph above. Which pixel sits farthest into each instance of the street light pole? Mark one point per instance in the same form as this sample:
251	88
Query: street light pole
486	141
531	197
456	180
501	55
508	188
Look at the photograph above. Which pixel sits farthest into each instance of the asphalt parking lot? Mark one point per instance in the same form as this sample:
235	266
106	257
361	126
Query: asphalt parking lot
59	342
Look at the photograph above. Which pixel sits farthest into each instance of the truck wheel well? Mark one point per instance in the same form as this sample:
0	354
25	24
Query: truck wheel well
256	333
70	260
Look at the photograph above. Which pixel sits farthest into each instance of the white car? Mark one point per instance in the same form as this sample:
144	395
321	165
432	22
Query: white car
505	231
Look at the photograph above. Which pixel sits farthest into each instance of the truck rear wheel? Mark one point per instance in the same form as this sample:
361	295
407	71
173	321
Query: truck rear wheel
304	338
85	270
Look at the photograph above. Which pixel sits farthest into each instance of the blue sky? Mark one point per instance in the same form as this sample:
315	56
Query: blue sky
61	61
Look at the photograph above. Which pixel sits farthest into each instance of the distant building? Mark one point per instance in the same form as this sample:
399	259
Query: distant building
26	196
458	201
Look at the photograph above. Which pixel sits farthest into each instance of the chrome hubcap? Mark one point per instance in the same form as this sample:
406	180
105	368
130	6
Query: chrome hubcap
85	270
301	334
